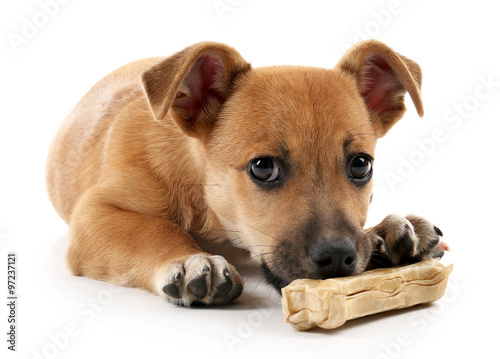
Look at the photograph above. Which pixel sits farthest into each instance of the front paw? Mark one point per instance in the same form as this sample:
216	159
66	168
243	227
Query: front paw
409	239
199	279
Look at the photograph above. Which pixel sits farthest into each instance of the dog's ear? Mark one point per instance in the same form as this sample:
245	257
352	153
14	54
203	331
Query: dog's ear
192	85
383	77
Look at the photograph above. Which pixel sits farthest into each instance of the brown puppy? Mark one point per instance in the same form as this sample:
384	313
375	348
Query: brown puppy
166	156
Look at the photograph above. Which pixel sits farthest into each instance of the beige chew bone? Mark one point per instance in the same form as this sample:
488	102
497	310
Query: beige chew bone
330	303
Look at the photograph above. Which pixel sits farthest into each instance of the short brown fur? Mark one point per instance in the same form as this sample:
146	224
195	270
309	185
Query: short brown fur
152	165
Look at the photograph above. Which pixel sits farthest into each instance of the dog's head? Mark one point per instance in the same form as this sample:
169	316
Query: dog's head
288	150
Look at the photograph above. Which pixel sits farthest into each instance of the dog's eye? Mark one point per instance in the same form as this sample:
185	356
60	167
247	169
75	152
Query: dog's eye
360	168
265	169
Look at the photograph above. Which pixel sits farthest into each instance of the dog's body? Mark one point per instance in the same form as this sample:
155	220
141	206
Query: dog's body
166	155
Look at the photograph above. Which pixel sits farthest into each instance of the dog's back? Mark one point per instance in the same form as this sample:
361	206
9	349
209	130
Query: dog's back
79	150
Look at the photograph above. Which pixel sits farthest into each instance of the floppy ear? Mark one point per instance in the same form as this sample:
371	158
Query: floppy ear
192	85
383	77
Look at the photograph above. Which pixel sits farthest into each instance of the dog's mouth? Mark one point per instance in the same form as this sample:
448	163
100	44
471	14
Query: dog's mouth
329	257
377	260
280	274
273	279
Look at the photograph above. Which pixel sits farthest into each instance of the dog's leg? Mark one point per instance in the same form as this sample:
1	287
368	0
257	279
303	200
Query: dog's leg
398	240
152	253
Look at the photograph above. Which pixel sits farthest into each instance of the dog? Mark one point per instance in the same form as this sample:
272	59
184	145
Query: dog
166	158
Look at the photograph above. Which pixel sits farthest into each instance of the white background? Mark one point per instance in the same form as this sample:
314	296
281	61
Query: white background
453	180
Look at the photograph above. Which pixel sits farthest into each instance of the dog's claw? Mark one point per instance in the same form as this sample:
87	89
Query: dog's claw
438	231
178	277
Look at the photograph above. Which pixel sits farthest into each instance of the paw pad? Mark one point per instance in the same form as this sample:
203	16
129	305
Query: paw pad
201	279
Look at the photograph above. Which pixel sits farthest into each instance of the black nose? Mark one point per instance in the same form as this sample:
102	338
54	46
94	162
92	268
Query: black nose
334	257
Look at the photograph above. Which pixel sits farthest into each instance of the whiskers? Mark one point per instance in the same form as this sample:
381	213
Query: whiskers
239	242
379	260
259	253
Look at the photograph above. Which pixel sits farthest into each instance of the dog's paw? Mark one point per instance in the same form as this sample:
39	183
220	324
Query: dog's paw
410	239
199	279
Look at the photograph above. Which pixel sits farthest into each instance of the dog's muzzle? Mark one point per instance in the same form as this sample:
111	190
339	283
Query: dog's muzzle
325	258
333	257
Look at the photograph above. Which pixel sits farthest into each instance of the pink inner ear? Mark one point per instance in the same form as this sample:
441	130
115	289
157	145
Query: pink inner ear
381	86
202	82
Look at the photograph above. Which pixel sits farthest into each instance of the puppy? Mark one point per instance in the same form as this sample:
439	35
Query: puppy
165	157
